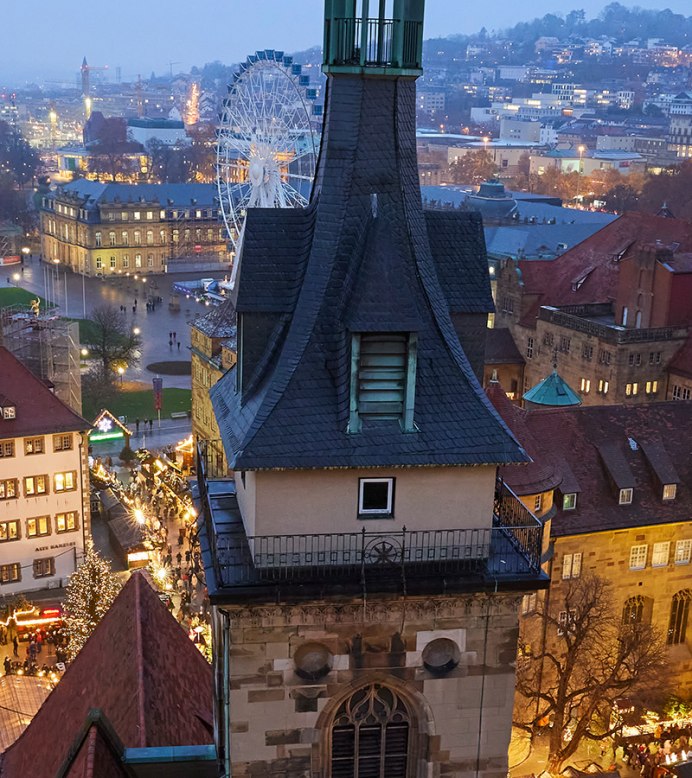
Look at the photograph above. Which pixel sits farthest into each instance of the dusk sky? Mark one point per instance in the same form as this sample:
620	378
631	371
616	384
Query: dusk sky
46	40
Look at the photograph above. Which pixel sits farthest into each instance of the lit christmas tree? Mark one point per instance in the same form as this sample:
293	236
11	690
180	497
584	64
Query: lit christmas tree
89	594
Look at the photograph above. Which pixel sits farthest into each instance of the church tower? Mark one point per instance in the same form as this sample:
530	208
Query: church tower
364	564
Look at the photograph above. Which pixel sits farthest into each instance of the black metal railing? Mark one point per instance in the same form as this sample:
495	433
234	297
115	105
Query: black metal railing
373	42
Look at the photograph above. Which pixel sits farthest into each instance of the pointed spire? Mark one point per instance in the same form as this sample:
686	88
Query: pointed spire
665	211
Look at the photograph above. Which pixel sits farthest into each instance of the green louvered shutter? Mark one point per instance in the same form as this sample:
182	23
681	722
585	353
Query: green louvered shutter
382	374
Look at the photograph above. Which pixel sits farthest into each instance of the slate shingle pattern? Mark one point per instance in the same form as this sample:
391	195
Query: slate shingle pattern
359	258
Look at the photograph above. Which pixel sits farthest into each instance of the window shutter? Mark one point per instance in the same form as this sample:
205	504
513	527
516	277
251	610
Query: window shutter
576	565
382	374
566	566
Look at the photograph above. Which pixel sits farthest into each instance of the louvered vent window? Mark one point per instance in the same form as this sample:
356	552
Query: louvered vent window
383	378
370	736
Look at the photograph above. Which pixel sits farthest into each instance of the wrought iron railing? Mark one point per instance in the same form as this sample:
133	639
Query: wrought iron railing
510	547
374	42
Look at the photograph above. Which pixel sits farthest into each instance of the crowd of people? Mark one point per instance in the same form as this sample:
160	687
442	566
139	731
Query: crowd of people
651	755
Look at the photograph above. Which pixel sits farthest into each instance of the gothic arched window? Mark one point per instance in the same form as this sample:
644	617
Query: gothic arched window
370	735
679	612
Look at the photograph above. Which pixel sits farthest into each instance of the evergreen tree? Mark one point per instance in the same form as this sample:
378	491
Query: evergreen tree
90	593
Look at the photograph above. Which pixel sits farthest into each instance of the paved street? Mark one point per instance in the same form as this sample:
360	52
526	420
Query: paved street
84	295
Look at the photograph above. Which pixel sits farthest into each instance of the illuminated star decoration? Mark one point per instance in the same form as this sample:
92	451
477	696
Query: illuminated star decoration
105	425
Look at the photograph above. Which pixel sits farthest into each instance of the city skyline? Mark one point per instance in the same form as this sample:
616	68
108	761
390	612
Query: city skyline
140	39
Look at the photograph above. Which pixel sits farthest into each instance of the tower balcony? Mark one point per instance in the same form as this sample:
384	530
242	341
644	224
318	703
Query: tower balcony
505	554
374	43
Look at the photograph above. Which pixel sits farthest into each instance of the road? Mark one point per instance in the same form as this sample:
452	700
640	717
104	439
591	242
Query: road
77	297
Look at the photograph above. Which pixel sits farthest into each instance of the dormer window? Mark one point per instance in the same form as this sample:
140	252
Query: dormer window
569	501
625	497
9	412
669	491
383	375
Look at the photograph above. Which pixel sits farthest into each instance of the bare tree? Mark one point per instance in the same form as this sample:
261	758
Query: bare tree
110	340
593	659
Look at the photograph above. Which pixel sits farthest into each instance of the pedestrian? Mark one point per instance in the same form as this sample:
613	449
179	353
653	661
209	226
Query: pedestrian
8	665
178	345
15	645
137	425
134	309
135	302
170	344
151	425
170	336
179	558
175	337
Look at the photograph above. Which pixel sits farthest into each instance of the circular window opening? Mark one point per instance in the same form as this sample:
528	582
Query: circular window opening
441	655
313	661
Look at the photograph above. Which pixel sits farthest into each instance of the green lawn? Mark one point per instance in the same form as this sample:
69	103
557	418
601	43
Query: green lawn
140	404
13	295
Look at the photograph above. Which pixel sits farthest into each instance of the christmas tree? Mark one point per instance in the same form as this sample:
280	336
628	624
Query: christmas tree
90	593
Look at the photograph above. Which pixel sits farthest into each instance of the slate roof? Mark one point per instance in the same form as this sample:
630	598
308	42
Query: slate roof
140	669
38	410
500	348
219	322
577	437
358	258
167	195
551	283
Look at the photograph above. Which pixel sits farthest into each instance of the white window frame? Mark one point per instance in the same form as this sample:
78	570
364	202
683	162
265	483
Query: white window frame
638	556
537	502
376	512
683	551
564	618
660	554
569	501
571	566
669	491
626	496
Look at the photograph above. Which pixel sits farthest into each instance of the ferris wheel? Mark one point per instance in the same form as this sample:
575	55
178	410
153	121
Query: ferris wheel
267	140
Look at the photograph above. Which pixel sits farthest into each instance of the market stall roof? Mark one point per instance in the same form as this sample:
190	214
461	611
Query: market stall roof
106	425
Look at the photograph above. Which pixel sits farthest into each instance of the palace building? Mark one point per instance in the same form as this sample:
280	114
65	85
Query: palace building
44	483
106	229
364	565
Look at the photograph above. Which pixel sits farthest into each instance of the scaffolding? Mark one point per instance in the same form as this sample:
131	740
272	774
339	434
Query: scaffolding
48	345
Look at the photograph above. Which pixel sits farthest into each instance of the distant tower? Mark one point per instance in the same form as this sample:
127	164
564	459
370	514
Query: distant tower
364	565
85	78
118	74
140	98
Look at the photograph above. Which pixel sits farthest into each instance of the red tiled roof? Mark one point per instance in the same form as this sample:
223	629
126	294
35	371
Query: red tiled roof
576	434
38	410
595	260
95	758
140	670
540	474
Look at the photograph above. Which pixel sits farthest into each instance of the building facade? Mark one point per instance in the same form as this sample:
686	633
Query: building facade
118	229
44	483
364	566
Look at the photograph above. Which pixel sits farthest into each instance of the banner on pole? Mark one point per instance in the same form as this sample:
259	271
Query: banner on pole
158	392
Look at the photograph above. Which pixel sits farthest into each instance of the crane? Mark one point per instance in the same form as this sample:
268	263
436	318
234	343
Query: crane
86	83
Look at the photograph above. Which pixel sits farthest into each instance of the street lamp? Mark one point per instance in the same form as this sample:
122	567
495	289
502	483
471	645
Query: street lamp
16	277
581	150
136	331
121	370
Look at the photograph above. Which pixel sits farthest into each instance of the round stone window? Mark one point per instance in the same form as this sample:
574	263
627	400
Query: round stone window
441	655
313	661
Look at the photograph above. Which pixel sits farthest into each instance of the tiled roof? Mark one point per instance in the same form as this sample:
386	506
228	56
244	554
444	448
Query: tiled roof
219	322
94	754
552	283
360	260
500	348
681	364
580	437
38	410
141	670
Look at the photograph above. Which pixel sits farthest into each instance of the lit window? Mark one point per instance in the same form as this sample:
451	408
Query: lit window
660	555
571	566
10	573
38	526
585	385
638	557
125	238
669	491
123	216
97	239
683	552
569	501
137	215
138	260
625	497
9	530
679	613
35	485
150	216
150	237
126	260
8	489
651	387
65	482
603	386
137	237
44	567
66	522
111	238
376	497
6	449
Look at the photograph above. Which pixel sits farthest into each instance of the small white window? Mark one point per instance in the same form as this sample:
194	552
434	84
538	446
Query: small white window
626	496
669	491
537	502
137	215
661	552
638	557
564	618
683	552
571	566
376	497
569	501
529	603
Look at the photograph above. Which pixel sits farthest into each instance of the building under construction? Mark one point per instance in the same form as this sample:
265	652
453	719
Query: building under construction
48	345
